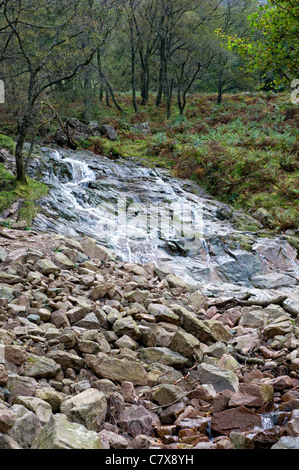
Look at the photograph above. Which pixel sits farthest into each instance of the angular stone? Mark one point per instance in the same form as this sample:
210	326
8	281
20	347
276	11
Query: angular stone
126	326
184	343
45	266
164	356
162	313
88	408
63	261
115	440
67	360
219	378
126	342
7	442
51	396
7	419
7	292
198	301
253	318
280	383
166	394
26	427
176	282
287	442
101	290
281	326
40	367
17	385
15	354
59	433
41	408
3	375
137	295
128	392
118	370
235	419
76	314
136	420
292	426
95	251
9	278
219	331
252	395
191	324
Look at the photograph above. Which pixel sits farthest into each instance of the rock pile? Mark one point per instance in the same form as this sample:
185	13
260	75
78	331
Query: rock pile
97	354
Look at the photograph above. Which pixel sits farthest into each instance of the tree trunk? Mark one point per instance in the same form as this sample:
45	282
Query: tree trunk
107	98
87	94
101	93
20	166
133	75
220	89
145	83
160	89
169	98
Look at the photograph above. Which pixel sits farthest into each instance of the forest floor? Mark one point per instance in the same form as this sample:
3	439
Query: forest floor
245	152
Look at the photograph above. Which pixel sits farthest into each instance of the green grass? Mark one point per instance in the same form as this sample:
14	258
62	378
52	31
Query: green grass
7	143
12	191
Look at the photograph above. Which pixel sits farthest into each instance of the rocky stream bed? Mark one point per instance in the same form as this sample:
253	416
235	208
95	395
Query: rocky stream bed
130	339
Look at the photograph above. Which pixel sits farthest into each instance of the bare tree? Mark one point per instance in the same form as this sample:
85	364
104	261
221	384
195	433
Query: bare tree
39	42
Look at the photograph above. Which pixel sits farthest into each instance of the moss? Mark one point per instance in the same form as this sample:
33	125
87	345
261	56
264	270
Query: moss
12	191
7	143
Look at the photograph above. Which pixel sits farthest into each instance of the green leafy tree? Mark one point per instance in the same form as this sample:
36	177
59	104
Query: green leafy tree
272	44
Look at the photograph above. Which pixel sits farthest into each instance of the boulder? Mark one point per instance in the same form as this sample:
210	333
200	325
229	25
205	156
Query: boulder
287	442
17	385
184	343
127	326
118	370
235	419
219	378
59	433
26	427
46	266
39	407
167	394
67	360
95	251
163	313
136	420
7	419
88	408
40	367
193	325
109	132
164	356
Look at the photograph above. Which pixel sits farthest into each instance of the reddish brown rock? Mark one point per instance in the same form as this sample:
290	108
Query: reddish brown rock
281	383
3	375
136	420
235	419
252	395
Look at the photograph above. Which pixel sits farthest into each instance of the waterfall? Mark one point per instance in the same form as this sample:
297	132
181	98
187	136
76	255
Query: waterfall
146	215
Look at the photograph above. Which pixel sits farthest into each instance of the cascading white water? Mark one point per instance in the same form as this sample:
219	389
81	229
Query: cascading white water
145	215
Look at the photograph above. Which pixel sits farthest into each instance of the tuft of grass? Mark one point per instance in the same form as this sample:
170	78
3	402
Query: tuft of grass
7	143
13	191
